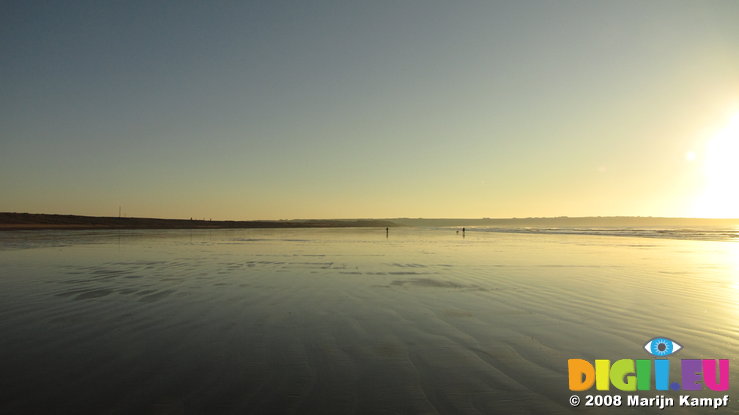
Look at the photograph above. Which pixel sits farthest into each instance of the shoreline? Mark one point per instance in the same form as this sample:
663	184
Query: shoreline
10	221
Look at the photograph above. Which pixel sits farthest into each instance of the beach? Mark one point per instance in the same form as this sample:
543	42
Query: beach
346	320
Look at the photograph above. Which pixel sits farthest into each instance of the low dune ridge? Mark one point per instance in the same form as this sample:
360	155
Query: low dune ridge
29	221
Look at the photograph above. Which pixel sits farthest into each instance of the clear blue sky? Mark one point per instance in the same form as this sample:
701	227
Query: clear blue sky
271	109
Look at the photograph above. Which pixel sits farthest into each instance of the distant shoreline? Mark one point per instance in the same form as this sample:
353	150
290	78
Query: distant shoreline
33	221
42	221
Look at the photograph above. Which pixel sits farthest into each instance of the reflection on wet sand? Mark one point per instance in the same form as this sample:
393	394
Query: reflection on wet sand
342	320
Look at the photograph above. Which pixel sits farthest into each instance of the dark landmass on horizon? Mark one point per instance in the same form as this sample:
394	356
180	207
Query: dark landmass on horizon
29	221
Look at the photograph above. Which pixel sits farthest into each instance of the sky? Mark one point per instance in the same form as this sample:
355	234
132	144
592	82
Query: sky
336	109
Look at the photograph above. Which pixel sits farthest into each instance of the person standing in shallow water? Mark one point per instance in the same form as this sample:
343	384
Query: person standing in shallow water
387	232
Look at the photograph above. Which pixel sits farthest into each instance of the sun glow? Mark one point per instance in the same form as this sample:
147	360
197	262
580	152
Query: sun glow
720	198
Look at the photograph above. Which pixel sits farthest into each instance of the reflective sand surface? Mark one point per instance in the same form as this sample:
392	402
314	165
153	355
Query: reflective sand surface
345	320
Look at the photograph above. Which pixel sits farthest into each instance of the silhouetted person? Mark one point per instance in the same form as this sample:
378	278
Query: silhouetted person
463	232
387	232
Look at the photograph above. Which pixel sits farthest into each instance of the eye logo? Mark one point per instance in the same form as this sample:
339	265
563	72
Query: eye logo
661	346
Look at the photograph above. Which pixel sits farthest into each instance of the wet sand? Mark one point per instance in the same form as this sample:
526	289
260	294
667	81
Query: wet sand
344	320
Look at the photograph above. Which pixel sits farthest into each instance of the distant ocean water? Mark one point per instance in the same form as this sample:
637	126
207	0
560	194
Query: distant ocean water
697	233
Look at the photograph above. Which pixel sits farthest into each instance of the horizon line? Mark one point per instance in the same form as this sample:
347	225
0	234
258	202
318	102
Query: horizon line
383	218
